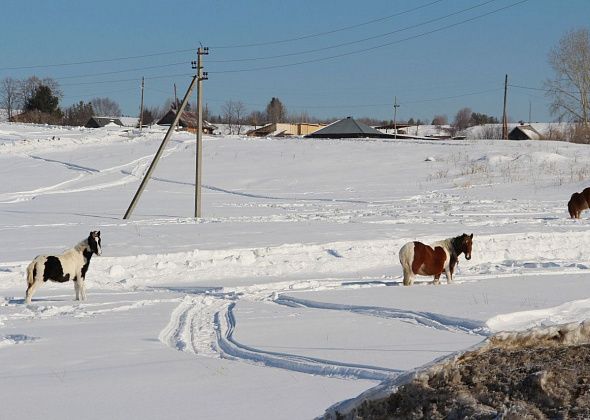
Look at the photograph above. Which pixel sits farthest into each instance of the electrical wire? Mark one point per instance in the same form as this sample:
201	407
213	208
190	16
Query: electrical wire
343	44
370	48
133	57
299	38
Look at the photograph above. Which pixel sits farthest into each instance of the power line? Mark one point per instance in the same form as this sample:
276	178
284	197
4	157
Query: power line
387	104
299	38
343	44
453	97
122	71
541	89
283	55
370	48
316	59
288	54
104	60
133	57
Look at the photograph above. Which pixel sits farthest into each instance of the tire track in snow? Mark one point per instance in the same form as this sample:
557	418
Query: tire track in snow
230	348
191	328
204	324
426	319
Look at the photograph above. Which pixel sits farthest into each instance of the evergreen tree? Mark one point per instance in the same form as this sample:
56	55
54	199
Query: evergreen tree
43	100
276	111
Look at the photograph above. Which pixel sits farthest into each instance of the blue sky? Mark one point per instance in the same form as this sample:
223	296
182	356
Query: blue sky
339	58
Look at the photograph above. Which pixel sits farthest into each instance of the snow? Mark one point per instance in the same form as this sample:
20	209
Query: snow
285	298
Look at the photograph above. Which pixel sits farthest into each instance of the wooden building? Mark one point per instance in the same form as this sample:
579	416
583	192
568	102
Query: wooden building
188	121
284	129
524	132
98	122
348	128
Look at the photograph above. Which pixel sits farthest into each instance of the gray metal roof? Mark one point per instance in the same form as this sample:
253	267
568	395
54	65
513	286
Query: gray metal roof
348	127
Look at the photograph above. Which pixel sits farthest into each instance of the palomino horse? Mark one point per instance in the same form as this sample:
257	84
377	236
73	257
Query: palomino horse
431	260
578	203
71	265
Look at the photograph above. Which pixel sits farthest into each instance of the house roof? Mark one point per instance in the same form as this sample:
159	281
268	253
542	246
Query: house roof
348	127
102	121
527	130
187	119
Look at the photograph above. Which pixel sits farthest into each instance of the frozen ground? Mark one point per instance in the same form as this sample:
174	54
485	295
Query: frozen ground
285	297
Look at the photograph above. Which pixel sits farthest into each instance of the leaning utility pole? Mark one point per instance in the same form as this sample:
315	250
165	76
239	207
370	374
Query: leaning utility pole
504	118
395	107
141	107
150	170
199	161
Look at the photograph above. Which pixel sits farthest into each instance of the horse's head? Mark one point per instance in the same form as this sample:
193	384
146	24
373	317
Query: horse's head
465	243
94	242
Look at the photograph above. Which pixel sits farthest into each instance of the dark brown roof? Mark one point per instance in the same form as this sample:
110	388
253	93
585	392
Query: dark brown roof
187	119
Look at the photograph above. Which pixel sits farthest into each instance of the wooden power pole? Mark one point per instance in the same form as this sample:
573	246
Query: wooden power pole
504	117
150	170
395	107
199	158
141	107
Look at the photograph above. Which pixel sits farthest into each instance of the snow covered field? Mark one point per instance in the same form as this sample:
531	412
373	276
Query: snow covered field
285	298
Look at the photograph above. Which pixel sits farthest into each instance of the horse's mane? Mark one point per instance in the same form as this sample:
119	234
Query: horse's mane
82	245
450	244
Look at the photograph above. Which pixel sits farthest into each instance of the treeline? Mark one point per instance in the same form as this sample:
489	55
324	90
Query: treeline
38	101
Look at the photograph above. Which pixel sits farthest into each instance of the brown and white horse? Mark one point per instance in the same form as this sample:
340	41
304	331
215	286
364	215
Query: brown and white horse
431	260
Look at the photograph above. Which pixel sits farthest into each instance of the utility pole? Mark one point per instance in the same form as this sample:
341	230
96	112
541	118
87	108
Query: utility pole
504	117
530	109
141	107
175	98
395	107
199	161
148	175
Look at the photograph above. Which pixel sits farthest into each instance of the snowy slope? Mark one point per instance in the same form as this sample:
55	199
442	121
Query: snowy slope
288	289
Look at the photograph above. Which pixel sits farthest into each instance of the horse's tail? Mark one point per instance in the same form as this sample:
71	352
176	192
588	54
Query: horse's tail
571	206
31	272
406	255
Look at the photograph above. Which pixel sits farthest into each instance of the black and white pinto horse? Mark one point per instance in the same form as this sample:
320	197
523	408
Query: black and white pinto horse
71	265
431	260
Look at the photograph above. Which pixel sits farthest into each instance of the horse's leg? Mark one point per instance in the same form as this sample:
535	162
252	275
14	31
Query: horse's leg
31	290
436	278
449	274
32	283
408	280
77	287
82	289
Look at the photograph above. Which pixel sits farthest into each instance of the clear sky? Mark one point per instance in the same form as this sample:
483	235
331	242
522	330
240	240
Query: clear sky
326	57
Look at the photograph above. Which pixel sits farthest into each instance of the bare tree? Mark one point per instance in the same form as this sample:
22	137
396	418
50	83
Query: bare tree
78	114
570	90
234	113
462	119
256	118
439	120
9	95
105	107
